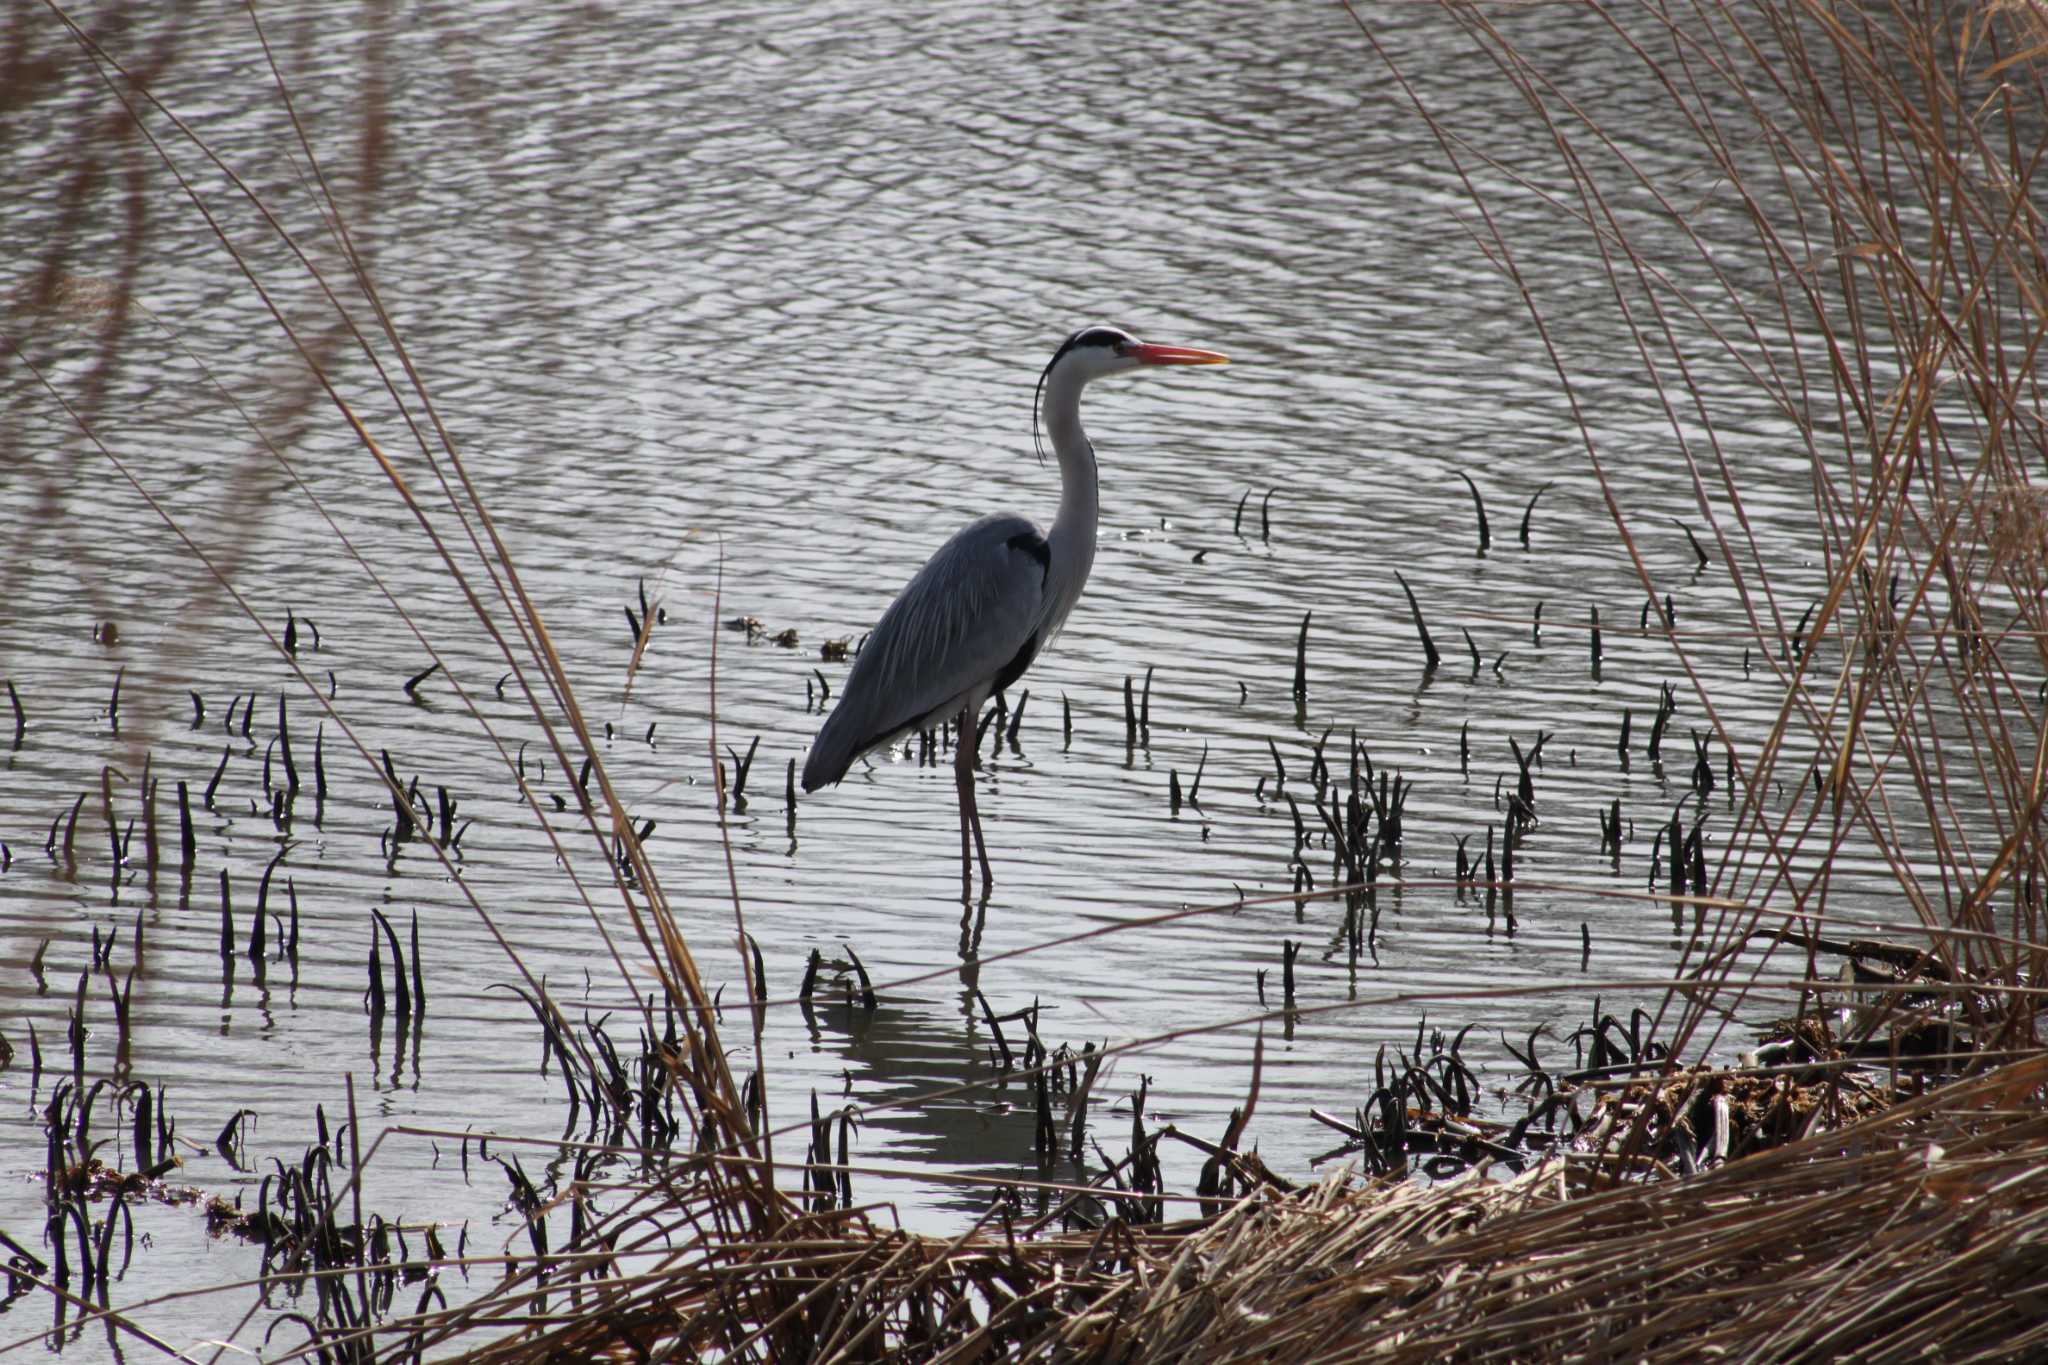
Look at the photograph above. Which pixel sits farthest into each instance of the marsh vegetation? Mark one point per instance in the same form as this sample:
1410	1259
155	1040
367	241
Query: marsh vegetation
1531	847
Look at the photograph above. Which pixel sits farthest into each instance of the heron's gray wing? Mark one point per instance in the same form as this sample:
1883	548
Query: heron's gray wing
971	615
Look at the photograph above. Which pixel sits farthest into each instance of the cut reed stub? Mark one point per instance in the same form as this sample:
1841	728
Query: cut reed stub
742	765
1301	660
412	684
1699	550
995	1029
789	795
758	984
71	836
1667	707
1430	657
1530	511
115	850
376	989
1479	507
868	999
230	1143
1797	645
291	935
401	989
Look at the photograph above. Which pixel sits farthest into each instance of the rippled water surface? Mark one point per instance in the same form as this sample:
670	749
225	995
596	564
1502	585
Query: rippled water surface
745	304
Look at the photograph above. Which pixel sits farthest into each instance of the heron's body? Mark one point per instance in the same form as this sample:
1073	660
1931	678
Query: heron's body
991	599
967	626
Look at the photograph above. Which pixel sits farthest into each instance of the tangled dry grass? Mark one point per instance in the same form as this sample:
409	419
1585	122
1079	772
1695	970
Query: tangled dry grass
1920	1230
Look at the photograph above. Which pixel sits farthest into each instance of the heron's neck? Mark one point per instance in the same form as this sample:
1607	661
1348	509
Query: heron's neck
1072	539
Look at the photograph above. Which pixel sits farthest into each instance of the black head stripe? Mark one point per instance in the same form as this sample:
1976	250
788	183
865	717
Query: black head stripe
1097	335
1107	337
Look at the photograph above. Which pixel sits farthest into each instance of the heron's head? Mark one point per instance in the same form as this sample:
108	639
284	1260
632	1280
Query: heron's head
1096	351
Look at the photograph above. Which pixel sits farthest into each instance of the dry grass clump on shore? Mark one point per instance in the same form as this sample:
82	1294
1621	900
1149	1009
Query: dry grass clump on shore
1922	1229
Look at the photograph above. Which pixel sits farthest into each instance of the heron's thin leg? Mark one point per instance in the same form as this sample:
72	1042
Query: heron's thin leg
988	878
964	759
963	781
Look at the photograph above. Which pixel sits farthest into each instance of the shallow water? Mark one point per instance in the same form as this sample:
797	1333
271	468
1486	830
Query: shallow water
746	305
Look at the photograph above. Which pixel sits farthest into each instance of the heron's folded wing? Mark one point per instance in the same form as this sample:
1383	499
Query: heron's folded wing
971	613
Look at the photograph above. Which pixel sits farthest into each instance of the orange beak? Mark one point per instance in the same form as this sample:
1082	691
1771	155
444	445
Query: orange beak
1148	354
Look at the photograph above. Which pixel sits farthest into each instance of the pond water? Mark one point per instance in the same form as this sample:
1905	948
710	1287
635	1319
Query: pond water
742	306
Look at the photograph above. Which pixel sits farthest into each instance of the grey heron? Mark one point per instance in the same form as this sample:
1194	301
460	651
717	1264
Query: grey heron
983	607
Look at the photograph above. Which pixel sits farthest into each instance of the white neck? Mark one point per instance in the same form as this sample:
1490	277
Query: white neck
1072	538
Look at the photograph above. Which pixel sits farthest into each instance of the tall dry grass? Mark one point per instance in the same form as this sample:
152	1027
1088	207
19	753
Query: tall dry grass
1888	298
